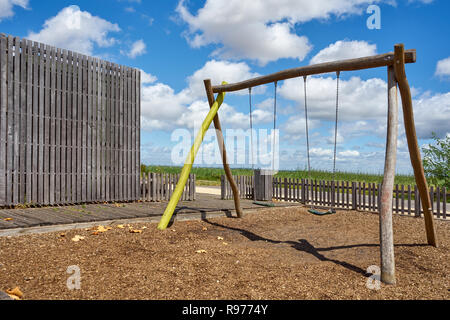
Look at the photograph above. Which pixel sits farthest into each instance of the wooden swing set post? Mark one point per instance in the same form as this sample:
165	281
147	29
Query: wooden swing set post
414	152
386	227
220	140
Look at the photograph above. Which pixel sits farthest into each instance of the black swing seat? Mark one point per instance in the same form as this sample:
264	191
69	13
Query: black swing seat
321	213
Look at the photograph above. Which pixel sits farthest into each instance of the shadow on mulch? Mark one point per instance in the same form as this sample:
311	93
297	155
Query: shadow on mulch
303	244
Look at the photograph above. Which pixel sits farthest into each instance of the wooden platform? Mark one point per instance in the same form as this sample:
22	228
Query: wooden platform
34	217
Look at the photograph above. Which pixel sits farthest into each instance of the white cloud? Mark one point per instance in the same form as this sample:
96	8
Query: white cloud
443	67
218	71
432	114
320	152
343	49
363	106
359	99
138	48
295	127
266	28
76	30
164	109
7	6
147	78
349	154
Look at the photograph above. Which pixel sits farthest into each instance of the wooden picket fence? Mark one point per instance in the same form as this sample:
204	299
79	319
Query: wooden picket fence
343	194
244	183
69	126
160	187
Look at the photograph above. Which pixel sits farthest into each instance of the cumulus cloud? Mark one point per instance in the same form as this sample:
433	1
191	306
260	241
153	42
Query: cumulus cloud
147	78
363	106
266	28
443	67
349	154
432	114
218	71
138	48
165	109
359	99
76	30
7	6
343	49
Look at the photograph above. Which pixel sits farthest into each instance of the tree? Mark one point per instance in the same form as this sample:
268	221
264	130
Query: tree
436	161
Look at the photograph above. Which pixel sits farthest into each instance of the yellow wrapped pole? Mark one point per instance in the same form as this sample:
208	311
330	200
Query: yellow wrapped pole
189	162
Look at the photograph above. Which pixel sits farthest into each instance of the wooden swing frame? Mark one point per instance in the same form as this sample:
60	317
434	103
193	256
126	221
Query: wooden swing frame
395	63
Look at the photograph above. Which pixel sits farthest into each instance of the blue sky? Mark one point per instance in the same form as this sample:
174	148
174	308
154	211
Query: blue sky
179	43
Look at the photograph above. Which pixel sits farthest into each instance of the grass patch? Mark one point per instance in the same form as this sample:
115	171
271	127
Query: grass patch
211	176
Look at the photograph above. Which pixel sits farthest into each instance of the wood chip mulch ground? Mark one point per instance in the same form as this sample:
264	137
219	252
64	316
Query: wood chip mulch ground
270	254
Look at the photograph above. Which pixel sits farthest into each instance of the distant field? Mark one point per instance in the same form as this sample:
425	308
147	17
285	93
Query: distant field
211	176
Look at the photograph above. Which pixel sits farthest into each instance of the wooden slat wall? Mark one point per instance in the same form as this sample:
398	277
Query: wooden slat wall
69	127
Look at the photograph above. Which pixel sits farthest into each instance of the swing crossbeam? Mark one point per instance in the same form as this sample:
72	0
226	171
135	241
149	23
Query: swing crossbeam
382	60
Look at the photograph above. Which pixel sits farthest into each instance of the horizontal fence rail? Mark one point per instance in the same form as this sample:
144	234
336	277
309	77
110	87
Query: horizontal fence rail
160	187
69	126
343	194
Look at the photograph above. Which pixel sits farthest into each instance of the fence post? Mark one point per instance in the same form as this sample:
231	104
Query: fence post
285	189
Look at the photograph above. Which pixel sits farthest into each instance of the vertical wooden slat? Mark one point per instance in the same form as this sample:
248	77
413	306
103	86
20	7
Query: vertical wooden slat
113	171
58	74
84	126
69	130
63	146
364	205
129	138
41	128
149	188
10	122
3	119
108	133
94	130
126	146
379	197
397	206
417	207
409	199
133	133
432	199
89	111
120	144
29	119
98	131
21	51
444	203
74	118
438	202
138	126
52	125
16	122
402	199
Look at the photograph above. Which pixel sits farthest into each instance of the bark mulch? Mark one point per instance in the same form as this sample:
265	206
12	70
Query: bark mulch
281	253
